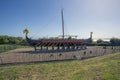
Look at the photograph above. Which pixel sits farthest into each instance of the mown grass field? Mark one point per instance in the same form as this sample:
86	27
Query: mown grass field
7	47
99	68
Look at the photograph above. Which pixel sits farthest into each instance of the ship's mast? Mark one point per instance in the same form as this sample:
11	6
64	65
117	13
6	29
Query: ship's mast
62	23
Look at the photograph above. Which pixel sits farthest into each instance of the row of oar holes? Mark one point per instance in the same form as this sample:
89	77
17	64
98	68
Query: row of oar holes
53	55
85	52
61	54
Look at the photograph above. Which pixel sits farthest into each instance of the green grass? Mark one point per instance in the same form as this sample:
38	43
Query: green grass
99	68
6	47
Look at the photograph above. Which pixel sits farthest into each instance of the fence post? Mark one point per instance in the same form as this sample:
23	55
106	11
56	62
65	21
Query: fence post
1	60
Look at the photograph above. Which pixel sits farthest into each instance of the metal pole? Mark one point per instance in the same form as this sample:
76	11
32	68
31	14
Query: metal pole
62	23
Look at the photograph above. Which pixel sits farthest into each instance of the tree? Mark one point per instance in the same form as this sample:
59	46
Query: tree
4	39
115	41
99	41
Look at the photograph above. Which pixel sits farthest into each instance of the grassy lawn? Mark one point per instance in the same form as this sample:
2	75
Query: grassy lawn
7	47
99	68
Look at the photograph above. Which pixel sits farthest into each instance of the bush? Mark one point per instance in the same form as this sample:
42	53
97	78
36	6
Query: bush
4	39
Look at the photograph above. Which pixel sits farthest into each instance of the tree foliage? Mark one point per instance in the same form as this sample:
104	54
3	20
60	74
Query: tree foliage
100	41
115	41
4	39
112	42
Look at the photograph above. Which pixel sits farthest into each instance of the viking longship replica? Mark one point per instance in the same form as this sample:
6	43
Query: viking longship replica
61	43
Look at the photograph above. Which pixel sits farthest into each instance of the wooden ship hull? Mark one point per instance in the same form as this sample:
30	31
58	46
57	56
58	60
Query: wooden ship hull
58	44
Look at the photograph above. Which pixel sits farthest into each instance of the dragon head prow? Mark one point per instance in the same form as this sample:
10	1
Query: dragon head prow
26	31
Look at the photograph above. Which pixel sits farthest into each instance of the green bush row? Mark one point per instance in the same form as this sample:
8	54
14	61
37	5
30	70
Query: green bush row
7	47
4	39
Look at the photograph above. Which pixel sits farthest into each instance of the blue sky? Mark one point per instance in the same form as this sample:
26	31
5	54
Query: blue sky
43	17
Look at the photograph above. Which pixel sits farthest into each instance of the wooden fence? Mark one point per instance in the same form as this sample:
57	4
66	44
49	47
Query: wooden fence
19	56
